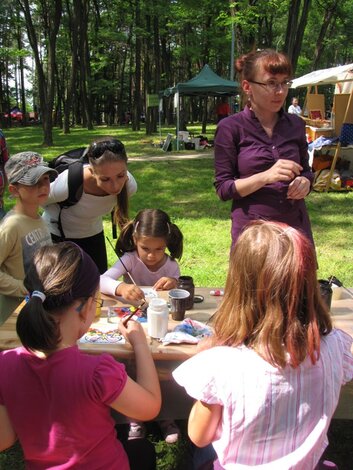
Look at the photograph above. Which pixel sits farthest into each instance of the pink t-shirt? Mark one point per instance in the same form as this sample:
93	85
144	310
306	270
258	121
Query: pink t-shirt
59	408
272	419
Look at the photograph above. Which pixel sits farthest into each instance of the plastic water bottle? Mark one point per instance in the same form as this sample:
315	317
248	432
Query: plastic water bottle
157	318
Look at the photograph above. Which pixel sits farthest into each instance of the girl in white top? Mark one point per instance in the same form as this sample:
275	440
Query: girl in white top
267	389
141	245
107	185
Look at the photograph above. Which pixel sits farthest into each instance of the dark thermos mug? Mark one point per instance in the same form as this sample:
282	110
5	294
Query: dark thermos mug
187	283
326	291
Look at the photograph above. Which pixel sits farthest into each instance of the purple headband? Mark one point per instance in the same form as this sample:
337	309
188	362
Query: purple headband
87	279
84	286
86	282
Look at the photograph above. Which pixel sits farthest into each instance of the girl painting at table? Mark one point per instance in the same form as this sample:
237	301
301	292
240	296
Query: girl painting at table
267	388
142	247
55	399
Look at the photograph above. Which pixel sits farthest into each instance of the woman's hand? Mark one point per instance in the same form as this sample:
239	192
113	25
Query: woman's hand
165	283
129	292
283	170
298	188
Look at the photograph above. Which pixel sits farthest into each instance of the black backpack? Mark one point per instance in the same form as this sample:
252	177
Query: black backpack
73	161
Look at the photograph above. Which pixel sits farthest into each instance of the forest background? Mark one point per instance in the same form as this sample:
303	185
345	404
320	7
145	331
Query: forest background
83	63
88	62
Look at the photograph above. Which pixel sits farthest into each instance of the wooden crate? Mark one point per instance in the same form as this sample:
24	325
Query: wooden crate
315	132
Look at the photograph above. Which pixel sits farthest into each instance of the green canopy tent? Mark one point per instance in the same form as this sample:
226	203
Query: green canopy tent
206	83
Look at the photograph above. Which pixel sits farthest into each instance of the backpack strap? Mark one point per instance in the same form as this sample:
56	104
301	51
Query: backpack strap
75	186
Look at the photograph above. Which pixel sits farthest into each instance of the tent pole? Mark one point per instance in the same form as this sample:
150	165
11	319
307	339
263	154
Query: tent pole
232	44
160	110
178	120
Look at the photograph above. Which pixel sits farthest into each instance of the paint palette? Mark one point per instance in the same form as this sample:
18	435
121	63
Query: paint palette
115	314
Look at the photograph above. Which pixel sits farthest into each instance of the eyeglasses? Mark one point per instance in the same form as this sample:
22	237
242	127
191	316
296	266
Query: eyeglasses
98	148
272	85
99	302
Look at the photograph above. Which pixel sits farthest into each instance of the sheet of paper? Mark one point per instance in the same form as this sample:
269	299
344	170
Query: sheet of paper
149	292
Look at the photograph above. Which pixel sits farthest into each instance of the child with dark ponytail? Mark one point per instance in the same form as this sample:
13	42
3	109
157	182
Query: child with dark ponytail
55	399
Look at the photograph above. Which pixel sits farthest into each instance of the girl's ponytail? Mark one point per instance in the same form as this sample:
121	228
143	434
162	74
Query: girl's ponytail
175	241
125	242
59	275
36	327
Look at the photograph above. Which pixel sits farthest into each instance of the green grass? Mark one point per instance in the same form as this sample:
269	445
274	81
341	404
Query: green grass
137	143
184	189
331	216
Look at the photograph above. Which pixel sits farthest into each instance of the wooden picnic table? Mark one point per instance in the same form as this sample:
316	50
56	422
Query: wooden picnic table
176	404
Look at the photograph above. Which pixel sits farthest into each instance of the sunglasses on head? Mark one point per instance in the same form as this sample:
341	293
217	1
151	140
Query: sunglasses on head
98	148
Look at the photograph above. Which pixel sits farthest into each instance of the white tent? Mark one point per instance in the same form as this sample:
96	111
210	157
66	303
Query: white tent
325	76
342	77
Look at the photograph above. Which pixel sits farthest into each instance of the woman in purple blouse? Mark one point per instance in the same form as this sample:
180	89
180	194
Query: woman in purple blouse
261	158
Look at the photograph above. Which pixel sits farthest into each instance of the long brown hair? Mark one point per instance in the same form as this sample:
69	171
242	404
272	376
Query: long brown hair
272	301
109	149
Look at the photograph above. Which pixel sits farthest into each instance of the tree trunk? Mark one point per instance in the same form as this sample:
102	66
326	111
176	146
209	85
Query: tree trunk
147	72
45	82
121	109
82	7
22	89
329	17
71	91
204	116
295	29
136	110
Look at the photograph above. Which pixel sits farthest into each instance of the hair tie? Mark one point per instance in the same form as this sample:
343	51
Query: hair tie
39	294
168	225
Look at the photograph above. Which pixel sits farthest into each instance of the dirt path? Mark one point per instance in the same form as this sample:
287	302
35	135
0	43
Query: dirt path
208	154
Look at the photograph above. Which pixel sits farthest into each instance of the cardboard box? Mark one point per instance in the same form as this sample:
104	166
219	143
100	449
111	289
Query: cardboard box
314	132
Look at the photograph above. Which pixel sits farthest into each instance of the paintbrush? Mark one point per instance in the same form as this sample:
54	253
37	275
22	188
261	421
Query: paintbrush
121	261
132	280
125	320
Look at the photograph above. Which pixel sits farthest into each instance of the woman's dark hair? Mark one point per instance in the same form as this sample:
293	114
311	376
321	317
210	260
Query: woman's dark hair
105	150
63	273
273	62
151	223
